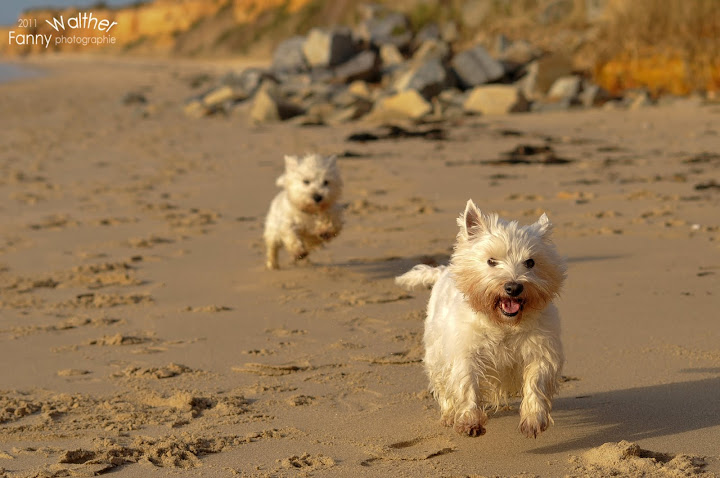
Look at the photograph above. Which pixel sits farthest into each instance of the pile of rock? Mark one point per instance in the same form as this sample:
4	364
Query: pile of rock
382	71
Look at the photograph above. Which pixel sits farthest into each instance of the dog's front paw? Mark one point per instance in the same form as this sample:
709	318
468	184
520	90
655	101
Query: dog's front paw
301	255
532	426
471	423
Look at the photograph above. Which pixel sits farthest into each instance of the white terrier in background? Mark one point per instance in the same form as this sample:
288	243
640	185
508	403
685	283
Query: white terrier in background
305	214
491	329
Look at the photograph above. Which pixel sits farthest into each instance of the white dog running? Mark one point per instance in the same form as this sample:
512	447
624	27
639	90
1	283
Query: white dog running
305	214
491	329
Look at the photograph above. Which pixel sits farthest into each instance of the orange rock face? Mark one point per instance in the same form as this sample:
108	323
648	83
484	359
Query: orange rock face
659	74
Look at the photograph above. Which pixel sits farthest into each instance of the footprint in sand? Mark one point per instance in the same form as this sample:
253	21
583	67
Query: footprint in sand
421	448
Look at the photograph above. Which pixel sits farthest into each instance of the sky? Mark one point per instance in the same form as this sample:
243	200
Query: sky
11	9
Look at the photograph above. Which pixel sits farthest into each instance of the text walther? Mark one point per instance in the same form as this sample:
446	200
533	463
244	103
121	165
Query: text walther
82	20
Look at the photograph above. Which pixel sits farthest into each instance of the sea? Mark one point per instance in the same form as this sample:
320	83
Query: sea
13	72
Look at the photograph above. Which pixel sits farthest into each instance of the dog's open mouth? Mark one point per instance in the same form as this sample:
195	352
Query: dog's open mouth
510	306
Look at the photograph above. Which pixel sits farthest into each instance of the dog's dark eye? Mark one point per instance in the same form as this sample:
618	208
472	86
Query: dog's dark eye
306	181
492	262
326	182
529	263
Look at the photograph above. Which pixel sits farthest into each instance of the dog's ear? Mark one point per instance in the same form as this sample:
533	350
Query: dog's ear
472	221
291	162
544	226
331	161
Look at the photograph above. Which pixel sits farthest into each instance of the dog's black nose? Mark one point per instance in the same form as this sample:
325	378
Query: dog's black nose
317	197
513	289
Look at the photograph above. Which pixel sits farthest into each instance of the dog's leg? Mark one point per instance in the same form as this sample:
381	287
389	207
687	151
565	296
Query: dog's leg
271	250
539	384
469	417
295	247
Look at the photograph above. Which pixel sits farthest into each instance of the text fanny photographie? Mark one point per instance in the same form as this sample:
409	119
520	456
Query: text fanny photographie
83	21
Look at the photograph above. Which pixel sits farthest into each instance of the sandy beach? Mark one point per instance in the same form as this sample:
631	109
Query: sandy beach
140	333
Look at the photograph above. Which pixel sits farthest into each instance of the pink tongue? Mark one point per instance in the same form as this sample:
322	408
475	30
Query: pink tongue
510	305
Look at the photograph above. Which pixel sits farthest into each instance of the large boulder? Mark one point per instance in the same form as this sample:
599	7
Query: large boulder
495	99
269	105
475	67
428	77
405	105
327	48
288	56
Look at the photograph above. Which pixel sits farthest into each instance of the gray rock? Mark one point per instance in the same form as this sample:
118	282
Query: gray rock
519	52
247	81
316	114
475	67
408	104
289	57
363	66
360	89
349	113
565	87
269	106
313	92
327	48
195	108
390	27
495	99
321	75
427	77
223	94
542	73
432	49
390	55
593	95
344	98
431	31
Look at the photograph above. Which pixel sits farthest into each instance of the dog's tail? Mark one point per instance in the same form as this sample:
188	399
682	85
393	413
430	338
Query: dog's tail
420	275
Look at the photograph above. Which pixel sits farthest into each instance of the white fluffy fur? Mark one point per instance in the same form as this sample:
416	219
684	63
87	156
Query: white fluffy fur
476	356
296	220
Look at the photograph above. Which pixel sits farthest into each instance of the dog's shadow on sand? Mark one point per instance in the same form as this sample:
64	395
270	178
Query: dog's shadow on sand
392	266
637	413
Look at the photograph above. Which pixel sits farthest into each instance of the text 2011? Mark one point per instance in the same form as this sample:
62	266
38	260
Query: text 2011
27	22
